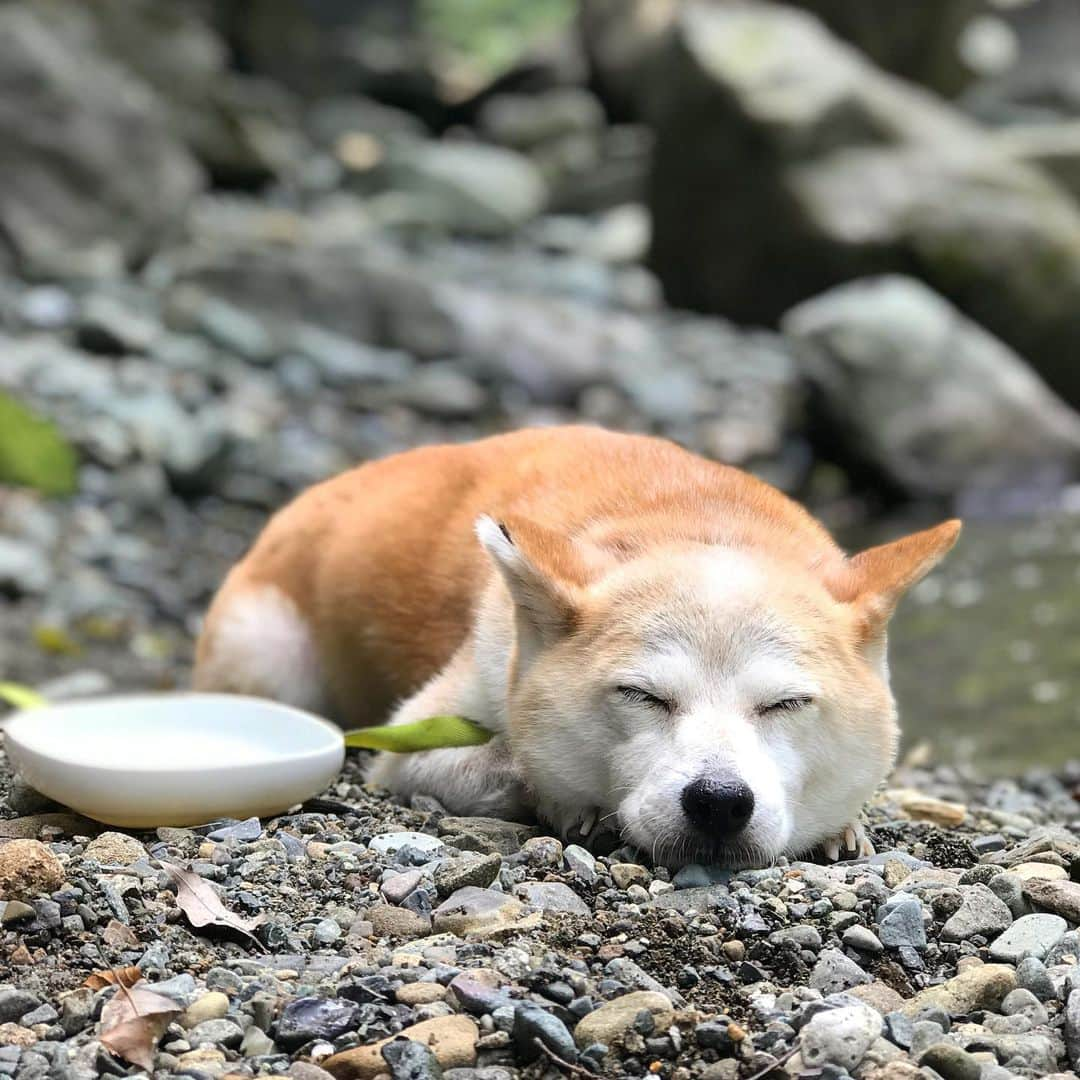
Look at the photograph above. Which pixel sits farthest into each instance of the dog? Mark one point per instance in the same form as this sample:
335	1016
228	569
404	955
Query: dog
657	641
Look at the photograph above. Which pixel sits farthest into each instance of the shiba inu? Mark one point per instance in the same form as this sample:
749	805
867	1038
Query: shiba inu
657	641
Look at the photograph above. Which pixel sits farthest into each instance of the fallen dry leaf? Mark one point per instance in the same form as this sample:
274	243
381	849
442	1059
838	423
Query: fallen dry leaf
127	976
133	1020
199	901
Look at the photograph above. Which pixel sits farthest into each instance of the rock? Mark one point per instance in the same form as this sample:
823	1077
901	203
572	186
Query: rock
15	1004
840	1036
951	1062
983	419
626	874
211	1006
880	997
64	205
452	1040
28	869
115	849
419	993
580	863
980	987
108	326
980	912
532	1024
1032	934
411	1060
854	173
466	187
478	991
1072	1028
488	835
1059	897
552	896
307	1018
858	937
615	1019
478	871
834	972
471	910
900	922
396	888
220	1032
24	570
1031	975
392	842
389	921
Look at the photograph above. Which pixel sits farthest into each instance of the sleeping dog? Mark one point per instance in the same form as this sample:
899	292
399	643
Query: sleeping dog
658	642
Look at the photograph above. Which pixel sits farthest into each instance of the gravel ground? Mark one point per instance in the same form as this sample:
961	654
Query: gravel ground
488	949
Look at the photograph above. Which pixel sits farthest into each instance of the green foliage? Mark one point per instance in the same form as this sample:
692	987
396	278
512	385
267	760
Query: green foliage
32	452
434	733
491	34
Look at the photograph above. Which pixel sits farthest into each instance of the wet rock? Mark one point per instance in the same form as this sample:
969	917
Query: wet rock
613	1020
28	869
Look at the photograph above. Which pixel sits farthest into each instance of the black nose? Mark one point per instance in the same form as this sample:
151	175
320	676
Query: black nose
718	808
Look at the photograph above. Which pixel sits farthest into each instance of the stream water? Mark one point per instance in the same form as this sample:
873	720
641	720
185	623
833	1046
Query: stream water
985	653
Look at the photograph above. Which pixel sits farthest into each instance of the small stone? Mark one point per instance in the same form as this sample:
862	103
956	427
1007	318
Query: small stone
840	1036
325	932
834	972
472	869
410	1060
1021	1002
542	851
1059	897
980	912
389	921
534	1024
613	1020
1040	871
1031	975
479	991
862	939
580	863
938	811
392	842
451	1039
307	1018
552	896
15	1004
256	1043
878	996
626	874
951	1062
472	910
981	987
1032	934
485	834
16	1035
420	993
248	829
28	869
396	888
221	1032
900	922
211	1006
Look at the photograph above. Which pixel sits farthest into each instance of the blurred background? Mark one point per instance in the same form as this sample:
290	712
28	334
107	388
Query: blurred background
245	245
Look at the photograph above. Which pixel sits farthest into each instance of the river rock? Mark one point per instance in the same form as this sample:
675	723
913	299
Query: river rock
981	987
452	1040
980	912
614	1019
471	910
840	1037
1060	897
1033	935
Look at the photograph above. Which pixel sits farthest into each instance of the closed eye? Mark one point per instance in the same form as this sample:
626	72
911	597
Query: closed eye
643	697
785	705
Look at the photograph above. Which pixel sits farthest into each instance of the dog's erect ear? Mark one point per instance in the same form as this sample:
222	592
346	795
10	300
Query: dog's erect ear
541	569
876	579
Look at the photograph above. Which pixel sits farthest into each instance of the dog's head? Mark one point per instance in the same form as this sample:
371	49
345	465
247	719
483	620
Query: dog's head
717	704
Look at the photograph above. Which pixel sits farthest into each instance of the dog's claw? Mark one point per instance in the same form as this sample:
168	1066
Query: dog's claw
852	843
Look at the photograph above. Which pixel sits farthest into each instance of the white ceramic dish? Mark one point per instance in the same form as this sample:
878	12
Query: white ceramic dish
174	759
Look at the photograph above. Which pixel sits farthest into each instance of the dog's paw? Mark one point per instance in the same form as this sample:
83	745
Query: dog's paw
850	843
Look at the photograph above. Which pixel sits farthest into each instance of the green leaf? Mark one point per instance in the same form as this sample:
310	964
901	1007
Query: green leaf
32	452
21	697
434	733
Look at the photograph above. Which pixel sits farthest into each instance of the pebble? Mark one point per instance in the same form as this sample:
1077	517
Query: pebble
472	910
1033	935
211	1006
834	972
451	1039
533	1023
28	869
840	1036
553	897
900	923
465	870
308	1018
613	1020
981	912
862	939
392	842
580	863
951	1062
980	987
115	849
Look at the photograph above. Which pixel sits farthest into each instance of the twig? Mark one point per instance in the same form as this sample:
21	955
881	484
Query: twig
775	1064
578	1069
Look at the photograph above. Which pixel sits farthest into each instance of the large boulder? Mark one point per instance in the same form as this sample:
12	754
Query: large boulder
787	163
92	176
922	396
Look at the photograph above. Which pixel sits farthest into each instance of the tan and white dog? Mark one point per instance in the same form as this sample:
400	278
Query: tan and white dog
655	639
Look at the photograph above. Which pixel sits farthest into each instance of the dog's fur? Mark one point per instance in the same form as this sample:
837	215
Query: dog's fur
625	616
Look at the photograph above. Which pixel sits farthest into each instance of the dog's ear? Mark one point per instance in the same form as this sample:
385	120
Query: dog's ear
542	569
876	579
